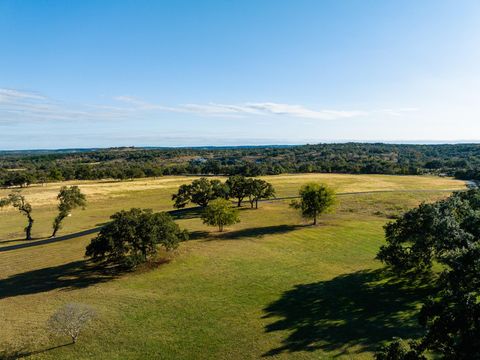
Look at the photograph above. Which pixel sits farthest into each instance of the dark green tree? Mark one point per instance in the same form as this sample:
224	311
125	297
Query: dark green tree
452	318
315	199
238	187
69	199
258	189
18	201
446	232
134	236
426	233
199	192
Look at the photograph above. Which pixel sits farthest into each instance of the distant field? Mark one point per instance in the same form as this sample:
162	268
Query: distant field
270	286
106	197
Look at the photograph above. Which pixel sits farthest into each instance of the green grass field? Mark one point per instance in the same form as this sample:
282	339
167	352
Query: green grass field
270	286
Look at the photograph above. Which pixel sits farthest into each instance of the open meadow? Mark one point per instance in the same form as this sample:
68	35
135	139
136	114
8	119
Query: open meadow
270	286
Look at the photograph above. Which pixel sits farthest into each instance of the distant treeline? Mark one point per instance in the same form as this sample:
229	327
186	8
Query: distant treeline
24	168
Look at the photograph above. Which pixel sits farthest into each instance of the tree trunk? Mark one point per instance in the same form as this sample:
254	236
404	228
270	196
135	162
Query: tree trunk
220	228
256	204
56	225
315	218
239	202
28	229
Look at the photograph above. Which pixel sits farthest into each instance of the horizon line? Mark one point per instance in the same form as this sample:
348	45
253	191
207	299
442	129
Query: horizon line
259	145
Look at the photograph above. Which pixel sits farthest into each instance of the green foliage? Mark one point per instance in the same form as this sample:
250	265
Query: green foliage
315	199
452	318
69	199
199	192
220	213
18	201
258	189
238	188
400	350
134	236
427	233
460	160
447	232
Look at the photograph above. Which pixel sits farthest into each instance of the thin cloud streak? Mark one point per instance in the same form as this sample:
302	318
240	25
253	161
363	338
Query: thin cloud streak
265	108
19	106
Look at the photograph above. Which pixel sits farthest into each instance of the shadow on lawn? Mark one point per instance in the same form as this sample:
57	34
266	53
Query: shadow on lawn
25	354
187	213
361	309
258	231
22	240
243	233
74	275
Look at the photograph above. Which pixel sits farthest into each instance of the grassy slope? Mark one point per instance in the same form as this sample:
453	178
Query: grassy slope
269	286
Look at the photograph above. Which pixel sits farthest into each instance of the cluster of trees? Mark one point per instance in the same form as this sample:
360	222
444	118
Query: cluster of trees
239	187
133	237
69	198
213	196
24	168
446	232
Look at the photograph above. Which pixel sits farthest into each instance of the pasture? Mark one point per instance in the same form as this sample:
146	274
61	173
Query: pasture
270	286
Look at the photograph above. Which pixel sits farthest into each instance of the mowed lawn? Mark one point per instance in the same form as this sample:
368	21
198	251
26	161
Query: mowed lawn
271	286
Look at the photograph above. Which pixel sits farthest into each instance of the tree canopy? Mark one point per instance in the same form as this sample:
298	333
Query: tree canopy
17	200
199	192
315	199
69	198
132	237
220	213
258	189
238	187
22	168
446	232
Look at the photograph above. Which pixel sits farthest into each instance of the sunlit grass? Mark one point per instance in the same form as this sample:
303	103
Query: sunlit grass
271	285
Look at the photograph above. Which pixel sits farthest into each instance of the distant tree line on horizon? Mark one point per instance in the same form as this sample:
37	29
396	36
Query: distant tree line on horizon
25	168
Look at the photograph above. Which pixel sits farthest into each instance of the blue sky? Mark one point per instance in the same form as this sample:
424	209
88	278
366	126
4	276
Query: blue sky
180	73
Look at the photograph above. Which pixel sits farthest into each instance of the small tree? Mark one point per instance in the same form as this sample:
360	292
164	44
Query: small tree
315	199
133	236
69	198
238	187
220	213
400	349
259	189
70	320
199	192
18	201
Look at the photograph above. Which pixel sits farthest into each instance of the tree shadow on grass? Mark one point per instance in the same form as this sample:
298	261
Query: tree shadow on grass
199	234
361	309
26	354
23	240
188	213
74	275
257	232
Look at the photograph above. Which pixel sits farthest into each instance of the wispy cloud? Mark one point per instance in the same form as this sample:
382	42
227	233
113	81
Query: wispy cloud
16	106
12	96
19	106
262	108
